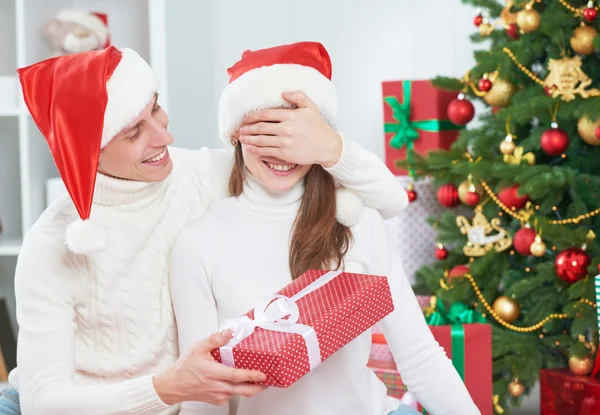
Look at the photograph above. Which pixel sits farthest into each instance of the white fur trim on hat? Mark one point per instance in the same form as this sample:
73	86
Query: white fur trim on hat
130	88
85	237
262	88
348	207
87	20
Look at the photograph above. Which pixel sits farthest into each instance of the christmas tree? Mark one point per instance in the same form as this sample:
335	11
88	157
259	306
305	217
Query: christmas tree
525	255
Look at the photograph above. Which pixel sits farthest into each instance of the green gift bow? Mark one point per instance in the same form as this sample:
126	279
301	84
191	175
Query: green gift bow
456	316
406	131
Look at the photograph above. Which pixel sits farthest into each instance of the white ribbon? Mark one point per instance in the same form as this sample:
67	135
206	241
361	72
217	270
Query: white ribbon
277	313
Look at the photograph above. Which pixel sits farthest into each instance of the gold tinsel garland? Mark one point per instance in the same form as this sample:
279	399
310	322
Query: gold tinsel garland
578	11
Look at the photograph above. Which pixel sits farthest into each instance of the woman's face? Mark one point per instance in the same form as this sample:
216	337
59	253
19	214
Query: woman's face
275	174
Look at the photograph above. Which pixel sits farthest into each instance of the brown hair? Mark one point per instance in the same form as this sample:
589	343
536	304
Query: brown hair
318	241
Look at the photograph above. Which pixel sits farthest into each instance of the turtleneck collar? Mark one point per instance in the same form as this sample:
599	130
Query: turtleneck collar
276	205
110	191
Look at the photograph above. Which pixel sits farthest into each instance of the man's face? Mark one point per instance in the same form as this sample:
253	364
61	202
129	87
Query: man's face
139	152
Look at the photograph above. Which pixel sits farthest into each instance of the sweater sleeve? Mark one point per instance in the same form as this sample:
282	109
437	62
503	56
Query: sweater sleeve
363	172
45	292
422	363
193	301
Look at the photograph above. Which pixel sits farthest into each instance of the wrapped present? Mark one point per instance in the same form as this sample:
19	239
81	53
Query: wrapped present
562	393
292	332
415	117
467	341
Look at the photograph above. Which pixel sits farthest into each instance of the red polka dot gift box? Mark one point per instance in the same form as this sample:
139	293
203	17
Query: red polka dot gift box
291	333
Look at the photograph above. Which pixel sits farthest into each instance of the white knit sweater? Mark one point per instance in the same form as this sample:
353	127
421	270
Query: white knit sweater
93	330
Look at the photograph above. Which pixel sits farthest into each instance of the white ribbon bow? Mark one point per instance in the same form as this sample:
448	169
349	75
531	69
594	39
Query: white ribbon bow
277	313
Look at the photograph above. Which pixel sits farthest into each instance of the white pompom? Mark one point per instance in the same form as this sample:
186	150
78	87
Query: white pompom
85	237
349	207
409	400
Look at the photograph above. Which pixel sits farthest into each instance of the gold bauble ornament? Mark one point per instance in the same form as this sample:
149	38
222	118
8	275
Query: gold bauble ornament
485	29
587	130
582	40
516	388
538	247
500	93
507	147
465	187
528	20
506	308
581	366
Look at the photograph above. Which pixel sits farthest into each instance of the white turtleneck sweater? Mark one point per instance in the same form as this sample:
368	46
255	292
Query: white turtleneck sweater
93	330
237	254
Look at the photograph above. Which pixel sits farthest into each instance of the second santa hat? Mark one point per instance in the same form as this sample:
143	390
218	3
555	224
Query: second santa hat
80	102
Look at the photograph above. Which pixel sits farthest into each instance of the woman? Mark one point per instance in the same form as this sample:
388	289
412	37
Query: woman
280	223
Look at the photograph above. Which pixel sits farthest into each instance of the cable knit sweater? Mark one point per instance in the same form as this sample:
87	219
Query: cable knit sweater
93	330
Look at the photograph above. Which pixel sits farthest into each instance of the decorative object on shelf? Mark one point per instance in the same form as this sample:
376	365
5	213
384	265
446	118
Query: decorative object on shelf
582	40
478	232
588	130
506	308
74	31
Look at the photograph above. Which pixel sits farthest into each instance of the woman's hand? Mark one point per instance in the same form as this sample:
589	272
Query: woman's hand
196	376
298	135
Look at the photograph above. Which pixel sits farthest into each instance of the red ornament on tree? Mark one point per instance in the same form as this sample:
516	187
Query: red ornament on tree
441	252
590	12
571	264
597	132
411	193
554	141
549	90
512	31
478	20
523	240
458	271
511	198
484	84
460	110
472	198
447	195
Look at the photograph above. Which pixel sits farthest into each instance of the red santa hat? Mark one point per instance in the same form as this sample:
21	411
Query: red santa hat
258	80
80	102
95	22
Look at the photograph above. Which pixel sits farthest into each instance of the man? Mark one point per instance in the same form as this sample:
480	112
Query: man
97	333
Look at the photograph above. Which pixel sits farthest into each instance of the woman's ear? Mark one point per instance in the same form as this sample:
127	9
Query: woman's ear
349	207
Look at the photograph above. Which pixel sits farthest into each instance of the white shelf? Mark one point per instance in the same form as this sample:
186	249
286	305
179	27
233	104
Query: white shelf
10	112
9	246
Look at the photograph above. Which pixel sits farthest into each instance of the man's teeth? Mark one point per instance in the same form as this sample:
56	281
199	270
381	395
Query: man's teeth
159	157
281	167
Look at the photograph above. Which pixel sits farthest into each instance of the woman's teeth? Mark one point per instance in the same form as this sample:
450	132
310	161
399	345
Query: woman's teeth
158	157
281	167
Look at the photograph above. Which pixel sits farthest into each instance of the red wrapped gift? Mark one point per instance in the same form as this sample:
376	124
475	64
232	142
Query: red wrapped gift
415	116
307	321
469	346
563	393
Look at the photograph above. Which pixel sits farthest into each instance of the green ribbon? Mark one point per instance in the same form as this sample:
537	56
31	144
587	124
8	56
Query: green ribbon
406	131
456	316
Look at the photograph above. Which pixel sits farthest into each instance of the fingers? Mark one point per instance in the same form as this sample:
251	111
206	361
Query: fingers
215	341
263	128
267	152
269	115
247	390
229	374
299	98
262	140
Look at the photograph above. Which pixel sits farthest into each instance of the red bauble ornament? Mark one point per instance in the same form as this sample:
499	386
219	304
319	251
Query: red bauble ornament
478	20
549	89
460	110
554	141
523	239
472	198
512	31
458	271
412	195
571	264
597	132
441	252
590	13
447	195
511	198
484	85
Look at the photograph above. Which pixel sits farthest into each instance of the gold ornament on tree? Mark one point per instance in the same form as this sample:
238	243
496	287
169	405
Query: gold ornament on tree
516	388
468	186
506	308
500	93
567	79
517	157
480	237
582	40
528	19
538	247
581	366
507	147
587	130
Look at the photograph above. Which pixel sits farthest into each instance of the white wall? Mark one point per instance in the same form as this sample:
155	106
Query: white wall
368	40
